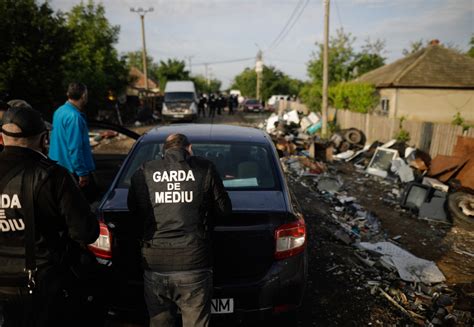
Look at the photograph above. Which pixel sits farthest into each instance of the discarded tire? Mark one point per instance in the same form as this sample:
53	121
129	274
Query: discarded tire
353	136
461	207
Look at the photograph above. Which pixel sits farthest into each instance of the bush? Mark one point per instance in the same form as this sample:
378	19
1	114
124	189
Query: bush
358	97
403	135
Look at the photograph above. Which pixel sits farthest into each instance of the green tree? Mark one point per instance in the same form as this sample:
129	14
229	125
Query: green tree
370	58
344	62
341	54
93	58
202	86
33	41
135	59
470	52
274	81
171	70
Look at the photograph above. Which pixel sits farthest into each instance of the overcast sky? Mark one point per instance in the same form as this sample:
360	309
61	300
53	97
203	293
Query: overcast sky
220	30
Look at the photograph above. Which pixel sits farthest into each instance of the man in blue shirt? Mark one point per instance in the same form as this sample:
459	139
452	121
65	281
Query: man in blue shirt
69	144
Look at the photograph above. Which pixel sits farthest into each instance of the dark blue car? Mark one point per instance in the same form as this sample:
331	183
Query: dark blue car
260	260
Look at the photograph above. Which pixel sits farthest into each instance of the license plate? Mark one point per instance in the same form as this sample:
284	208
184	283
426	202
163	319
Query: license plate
221	306
178	116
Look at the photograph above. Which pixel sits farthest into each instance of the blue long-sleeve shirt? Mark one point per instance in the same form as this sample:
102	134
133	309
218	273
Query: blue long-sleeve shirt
69	144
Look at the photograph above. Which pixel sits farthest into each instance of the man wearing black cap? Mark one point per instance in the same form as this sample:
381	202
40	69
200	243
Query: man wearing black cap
43	214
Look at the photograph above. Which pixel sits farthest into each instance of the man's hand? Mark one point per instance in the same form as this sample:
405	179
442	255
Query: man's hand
83	181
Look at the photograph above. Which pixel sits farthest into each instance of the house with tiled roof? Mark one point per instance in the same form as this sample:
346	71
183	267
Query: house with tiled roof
432	84
137	87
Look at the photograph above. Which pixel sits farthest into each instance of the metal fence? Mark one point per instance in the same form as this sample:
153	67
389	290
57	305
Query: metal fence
433	138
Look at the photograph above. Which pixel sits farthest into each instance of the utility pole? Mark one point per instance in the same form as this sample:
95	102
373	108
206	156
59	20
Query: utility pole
259	70
190	64
142	12
325	69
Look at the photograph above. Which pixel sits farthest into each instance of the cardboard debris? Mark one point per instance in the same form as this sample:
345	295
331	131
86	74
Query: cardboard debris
410	268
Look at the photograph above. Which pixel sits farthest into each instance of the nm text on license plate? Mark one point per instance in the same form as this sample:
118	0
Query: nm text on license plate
219	306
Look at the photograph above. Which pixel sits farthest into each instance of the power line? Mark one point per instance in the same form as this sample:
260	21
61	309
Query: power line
224	61
338	15
298	4
292	25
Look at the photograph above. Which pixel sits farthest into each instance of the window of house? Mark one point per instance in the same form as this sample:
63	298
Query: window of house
384	103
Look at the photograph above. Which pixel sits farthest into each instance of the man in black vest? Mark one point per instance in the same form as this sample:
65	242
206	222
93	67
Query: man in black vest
60	214
178	198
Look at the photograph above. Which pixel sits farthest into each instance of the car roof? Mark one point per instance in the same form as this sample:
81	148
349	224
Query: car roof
208	132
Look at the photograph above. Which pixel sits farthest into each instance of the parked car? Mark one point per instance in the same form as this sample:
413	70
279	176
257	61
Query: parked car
260	259
252	105
180	101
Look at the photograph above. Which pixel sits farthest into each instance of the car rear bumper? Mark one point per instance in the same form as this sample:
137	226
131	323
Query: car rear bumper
280	290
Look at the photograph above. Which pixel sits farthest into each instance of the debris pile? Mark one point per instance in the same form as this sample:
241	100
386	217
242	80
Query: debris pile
419	185
430	186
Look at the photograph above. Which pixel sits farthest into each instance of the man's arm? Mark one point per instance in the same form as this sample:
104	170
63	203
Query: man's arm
140	206
222	205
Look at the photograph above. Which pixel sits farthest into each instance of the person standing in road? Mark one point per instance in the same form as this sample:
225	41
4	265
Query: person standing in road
212	104
178	198
202	106
70	145
43	214
230	104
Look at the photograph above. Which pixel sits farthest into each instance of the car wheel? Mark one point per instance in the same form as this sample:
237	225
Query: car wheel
461	207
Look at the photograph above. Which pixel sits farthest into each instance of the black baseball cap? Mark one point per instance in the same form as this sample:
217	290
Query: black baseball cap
25	117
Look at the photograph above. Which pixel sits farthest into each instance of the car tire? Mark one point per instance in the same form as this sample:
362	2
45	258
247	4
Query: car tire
461	207
353	136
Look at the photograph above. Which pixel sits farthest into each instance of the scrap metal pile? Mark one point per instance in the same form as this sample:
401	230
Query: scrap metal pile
438	190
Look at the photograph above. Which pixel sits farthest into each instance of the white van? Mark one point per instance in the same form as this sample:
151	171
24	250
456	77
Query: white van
180	102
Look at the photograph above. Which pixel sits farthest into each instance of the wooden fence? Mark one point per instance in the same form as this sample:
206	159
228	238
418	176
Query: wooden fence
433	138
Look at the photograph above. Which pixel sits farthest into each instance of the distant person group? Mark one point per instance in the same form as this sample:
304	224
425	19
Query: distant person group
214	104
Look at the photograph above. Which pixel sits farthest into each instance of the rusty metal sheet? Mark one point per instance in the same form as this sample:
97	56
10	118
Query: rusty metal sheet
445	167
464	147
466	175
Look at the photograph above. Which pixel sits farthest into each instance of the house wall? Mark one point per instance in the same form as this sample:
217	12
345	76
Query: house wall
430	105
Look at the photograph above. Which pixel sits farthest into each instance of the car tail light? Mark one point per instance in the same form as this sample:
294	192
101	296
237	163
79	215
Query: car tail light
290	239
102	247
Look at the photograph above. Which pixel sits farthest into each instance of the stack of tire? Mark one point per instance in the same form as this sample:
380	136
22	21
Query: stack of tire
347	139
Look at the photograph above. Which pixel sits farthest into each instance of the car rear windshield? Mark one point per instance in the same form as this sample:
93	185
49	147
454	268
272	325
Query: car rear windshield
252	102
179	96
242	166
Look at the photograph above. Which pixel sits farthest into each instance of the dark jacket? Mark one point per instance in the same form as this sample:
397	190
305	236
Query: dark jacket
178	198
61	211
